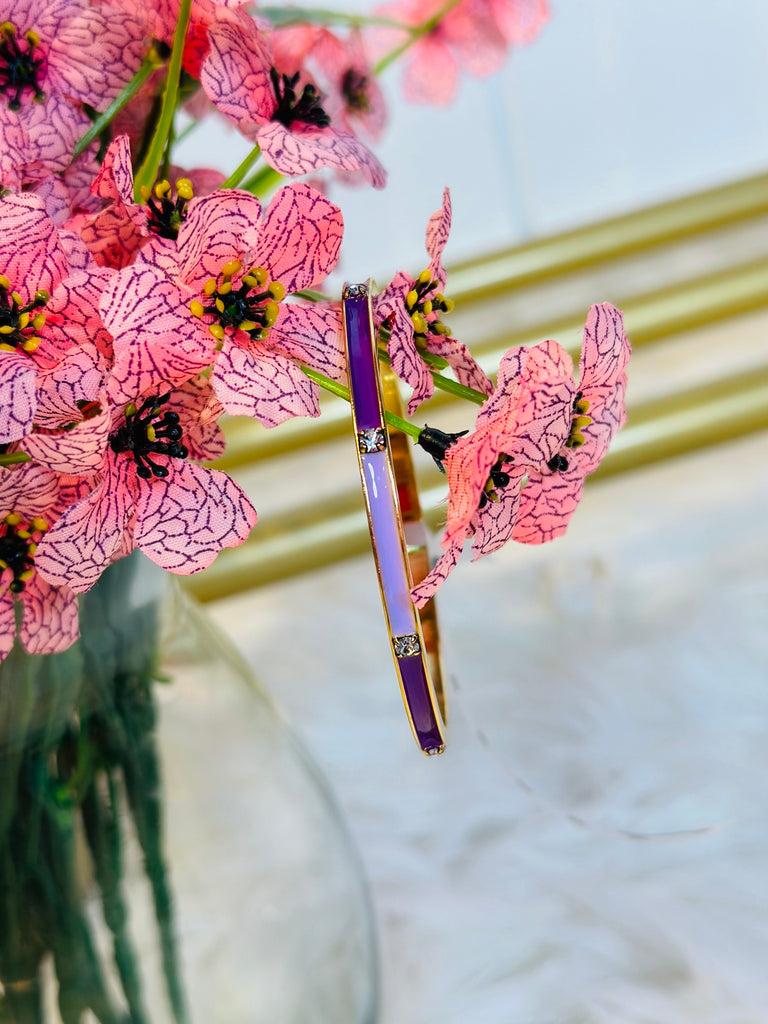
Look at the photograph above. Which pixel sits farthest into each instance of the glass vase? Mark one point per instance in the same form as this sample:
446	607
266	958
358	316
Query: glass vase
168	850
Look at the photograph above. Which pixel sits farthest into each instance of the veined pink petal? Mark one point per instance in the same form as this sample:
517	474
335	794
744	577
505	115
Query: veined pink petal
605	349
50	622
75	452
304	150
459	358
218	228
439	227
7	621
608	415
183	523
441	570
432	75
407	363
235	74
77	377
310	333
301	237
263	384
30	254
547	502
155	344
80	545
493	528
51	130
18	401
115	178
27	489
73	315
199	410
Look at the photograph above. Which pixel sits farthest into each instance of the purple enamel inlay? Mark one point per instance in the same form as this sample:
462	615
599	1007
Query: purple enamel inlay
362	370
417	694
389	553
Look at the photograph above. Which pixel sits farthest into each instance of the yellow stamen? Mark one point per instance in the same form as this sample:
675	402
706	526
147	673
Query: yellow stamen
581	421
219	305
271	311
40	524
184	189
8	28
24	534
5	347
27	575
246	325
440	328
17	298
448	305
196	308
23	320
42	296
277	291
162	189
151	435
3	565
426	308
233	267
250	281
33	38
145	192
7	329
130	409
225	288
4	282
419	323
411	298
38	321
13	519
582	406
576	440
209	287
31	344
425	277
31	548
217	331
259	275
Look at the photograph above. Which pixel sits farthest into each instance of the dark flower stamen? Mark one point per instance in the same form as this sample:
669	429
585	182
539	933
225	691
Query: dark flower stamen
166	214
498	478
437	442
18	544
146	432
18	321
306	108
19	68
354	89
252	306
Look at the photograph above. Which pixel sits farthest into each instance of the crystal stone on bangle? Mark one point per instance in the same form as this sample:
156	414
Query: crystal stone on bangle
407	645
372	440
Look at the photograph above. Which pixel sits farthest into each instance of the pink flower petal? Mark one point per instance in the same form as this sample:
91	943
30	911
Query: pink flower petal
304	150
218	228
432	75
263	384
301	237
155	344
460	360
235	74
608	415
7	621
30	254
27	489
18	375
199	409
311	333
77	377
439	227
80	545
75	452
50	622
115	178
547	502
73	315
605	349
441	570
182	523
496	520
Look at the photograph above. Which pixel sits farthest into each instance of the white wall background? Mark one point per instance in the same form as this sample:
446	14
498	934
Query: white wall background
617	105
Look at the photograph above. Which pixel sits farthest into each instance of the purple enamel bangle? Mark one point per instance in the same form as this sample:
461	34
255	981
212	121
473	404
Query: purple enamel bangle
377	473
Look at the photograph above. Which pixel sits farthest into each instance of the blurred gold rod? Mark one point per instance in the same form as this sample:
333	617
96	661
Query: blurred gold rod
619	236
305	539
648	319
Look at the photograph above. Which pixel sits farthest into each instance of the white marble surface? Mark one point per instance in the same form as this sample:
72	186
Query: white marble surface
592	846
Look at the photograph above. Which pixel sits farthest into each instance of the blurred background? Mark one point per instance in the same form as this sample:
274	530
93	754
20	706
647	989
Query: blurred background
591	848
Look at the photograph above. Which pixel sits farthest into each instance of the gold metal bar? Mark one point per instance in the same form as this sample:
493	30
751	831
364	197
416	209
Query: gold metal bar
610	239
648	319
307	538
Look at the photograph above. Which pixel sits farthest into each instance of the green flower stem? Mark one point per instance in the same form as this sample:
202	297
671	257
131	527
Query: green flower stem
13	458
263	180
148	170
416	33
451	387
338	389
151	62
282	16
240	172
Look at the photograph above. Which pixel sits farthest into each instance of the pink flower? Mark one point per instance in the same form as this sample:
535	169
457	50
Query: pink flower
29	504
222	286
521	473
352	95
54	58
147	494
521	427
283	114
409	311
552	493
473	37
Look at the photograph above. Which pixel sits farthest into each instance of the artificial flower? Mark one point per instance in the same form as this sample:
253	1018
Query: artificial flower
408	312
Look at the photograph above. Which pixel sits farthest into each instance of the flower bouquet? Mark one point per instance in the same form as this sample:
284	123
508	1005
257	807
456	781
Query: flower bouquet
139	304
